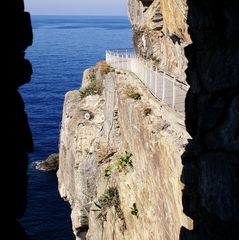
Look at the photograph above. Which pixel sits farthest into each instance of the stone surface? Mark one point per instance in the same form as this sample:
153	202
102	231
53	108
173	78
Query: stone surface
50	164
209	176
160	33
88	146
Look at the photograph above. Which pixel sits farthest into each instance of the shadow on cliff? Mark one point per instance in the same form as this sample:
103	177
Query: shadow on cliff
211	159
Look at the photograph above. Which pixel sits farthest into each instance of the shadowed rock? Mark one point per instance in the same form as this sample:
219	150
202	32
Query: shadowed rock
50	164
211	162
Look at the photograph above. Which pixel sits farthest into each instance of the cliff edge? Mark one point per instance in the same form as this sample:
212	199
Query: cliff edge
120	159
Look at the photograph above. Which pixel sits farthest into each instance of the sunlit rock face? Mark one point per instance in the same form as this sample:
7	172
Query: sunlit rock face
140	197
160	33
96	133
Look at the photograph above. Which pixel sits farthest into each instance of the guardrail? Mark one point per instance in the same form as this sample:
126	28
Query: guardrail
163	86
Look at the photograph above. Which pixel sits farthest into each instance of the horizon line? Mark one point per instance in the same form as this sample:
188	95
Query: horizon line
77	15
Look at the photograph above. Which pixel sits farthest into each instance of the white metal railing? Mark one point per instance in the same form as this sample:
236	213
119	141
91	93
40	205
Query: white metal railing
163	86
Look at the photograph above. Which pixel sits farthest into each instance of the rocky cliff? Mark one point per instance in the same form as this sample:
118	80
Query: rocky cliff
120	148
160	33
120	160
120	151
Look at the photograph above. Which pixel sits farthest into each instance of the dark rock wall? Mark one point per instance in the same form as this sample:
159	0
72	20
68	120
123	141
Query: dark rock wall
17	134
211	159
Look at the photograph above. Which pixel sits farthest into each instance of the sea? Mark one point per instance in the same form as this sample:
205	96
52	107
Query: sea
63	47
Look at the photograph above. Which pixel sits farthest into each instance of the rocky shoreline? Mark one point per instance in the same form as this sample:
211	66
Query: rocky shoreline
50	164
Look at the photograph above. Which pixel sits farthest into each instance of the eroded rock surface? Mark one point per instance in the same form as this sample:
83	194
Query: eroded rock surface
94	175
160	33
50	164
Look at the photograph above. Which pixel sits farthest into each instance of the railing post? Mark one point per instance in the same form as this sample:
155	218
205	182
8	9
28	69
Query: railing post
112	59
156	82
151	79
130	63
130	59
126	59
131	66
117	57
145	73
174	92
163	93
141	70
137	65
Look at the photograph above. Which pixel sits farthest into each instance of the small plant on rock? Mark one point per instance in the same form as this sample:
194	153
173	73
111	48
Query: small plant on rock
94	87
110	198
108	171
134	210
131	92
124	161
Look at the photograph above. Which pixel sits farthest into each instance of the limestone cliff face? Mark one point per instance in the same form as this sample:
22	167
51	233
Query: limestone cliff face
160	33
120	161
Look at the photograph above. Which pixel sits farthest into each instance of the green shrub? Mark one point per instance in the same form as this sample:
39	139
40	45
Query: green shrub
108	171
109	199
124	161
94	87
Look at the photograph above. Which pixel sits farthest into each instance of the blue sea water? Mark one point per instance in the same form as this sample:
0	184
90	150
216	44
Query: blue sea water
64	46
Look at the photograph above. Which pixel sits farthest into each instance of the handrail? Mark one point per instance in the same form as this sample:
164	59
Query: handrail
160	83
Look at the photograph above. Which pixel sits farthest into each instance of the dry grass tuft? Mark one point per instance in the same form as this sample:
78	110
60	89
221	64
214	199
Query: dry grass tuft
103	67
131	92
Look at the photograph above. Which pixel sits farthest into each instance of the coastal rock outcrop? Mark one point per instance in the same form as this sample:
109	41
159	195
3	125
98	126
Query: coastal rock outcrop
120	161
50	164
160	33
120	167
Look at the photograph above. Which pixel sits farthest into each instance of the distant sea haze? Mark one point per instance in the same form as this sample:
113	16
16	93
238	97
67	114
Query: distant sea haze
64	46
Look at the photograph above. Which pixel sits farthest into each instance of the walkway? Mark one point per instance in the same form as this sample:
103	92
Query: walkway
163	86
